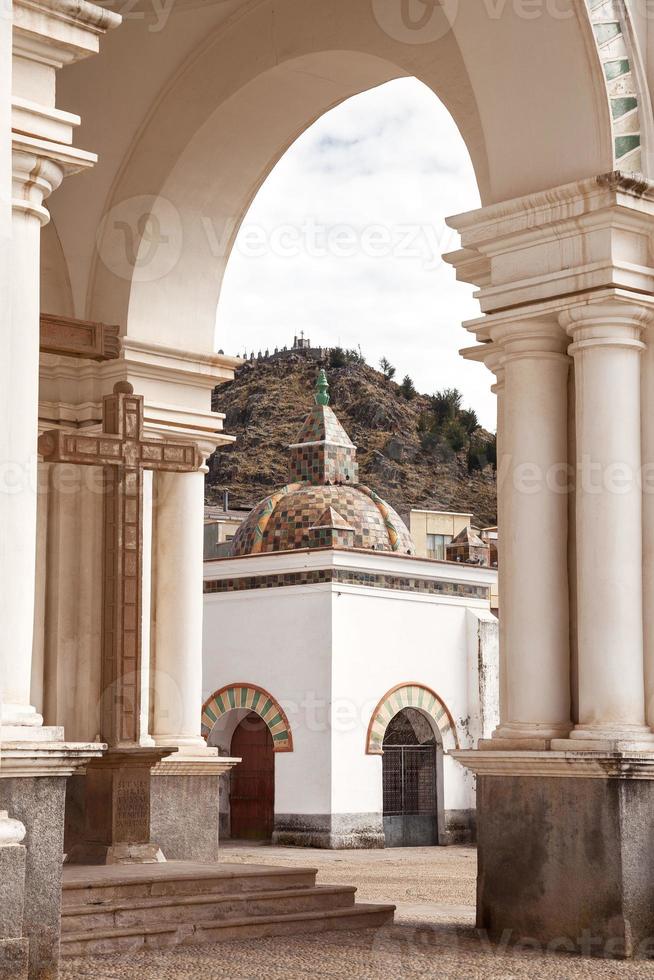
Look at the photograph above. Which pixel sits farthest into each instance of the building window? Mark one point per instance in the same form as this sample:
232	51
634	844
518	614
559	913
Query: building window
436	544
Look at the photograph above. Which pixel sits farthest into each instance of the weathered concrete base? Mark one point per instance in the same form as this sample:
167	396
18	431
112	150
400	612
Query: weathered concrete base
460	827
38	802
336	831
568	862
184	817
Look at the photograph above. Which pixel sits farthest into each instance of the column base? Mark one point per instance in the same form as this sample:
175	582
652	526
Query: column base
566	850
525	735
188	783
23	715
194	759
607	738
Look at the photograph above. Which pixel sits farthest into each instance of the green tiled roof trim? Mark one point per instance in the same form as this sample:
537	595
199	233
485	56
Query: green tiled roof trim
617	62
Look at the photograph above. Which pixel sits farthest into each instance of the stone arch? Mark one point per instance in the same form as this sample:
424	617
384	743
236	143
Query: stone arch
250	697
237	99
410	695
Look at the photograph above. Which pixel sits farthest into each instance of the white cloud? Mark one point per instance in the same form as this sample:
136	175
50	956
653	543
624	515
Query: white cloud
348	229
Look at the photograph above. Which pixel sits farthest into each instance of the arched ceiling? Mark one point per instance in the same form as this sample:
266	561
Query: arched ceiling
189	116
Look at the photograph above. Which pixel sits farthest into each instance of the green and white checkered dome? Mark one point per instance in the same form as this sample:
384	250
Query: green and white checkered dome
323	478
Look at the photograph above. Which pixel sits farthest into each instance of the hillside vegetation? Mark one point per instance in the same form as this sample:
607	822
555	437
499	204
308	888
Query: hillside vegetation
414	450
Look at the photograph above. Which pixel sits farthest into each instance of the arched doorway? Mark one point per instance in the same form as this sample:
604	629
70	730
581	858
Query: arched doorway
410	781
252	788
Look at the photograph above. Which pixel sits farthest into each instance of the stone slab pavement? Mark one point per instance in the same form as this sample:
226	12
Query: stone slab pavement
433	934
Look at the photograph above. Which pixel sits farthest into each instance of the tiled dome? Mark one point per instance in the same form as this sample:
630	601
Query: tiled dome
324	506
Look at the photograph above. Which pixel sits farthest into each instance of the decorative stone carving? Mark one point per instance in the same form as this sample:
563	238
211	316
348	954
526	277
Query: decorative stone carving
124	453
117	798
79	338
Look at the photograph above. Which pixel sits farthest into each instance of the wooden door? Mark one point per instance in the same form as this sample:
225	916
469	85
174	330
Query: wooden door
252	787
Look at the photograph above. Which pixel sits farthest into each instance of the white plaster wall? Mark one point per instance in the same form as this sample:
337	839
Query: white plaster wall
280	639
483	673
382	640
329	654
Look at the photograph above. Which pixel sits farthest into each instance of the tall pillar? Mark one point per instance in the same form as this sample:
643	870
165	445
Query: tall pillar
607	346
495	364
34	177
565	833
177	608
188	780
36	762
42	155
13	947
532	491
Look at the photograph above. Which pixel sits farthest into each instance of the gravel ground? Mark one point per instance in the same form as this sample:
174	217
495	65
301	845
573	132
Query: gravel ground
433	935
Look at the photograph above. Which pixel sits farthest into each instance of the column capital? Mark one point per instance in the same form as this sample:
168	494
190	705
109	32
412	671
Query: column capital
38	168
608	323
491	355
34	178
530	338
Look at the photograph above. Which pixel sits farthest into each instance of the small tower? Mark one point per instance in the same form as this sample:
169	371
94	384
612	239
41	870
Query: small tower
323	453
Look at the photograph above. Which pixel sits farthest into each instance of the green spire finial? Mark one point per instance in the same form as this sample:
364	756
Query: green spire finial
322	389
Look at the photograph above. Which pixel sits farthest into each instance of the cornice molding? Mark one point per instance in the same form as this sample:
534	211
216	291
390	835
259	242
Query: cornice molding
59	32
580	765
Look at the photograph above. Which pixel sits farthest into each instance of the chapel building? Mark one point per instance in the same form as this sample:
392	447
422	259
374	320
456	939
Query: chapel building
342	668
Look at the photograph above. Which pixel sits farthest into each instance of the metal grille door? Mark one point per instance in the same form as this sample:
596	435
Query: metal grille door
409	780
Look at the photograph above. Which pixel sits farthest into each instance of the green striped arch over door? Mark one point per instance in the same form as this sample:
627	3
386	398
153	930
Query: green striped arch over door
253	698
410	695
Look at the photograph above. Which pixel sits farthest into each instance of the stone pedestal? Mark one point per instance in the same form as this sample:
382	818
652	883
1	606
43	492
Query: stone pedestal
14	949
185	803
32	789
116	810
566	850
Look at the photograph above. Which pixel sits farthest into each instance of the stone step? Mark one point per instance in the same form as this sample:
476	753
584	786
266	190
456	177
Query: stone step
124	939
101	885
177	909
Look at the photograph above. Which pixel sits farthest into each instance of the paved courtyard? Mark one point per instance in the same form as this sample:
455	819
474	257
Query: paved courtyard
433	935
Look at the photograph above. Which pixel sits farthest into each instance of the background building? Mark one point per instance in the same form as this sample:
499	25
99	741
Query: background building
433	530
220	526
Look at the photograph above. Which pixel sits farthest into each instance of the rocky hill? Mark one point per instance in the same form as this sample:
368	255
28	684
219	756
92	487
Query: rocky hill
409	451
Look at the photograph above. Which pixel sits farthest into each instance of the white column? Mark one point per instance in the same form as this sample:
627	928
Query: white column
145	738
34	177
494	362
607	353
177	608
12	831
532	490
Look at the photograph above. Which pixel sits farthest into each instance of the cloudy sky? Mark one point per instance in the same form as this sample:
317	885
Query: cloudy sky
344	238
